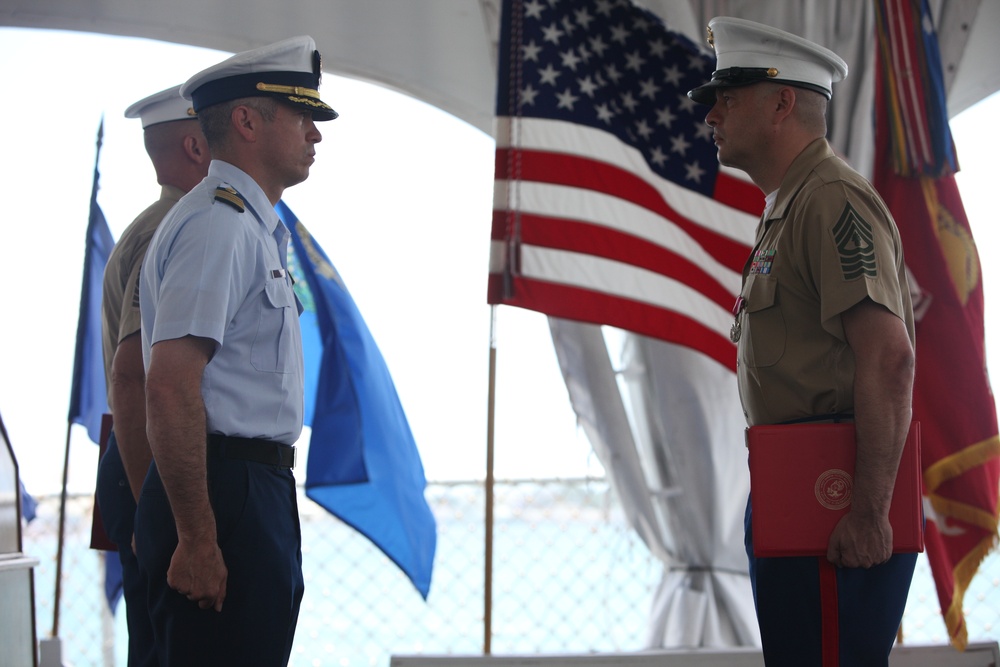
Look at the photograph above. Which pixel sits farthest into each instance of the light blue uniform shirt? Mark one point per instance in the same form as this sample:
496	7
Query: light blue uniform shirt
215	272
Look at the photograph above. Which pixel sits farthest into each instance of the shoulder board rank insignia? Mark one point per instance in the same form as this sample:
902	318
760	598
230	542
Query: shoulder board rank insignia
231	197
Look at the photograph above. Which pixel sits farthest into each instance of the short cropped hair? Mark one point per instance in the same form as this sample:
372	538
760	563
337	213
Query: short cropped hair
215	119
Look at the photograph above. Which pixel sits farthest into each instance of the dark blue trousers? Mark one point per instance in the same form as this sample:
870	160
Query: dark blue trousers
114	498
786	594
258	532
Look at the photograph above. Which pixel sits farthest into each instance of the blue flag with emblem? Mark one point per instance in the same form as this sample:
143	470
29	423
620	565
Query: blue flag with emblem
88	396
364	466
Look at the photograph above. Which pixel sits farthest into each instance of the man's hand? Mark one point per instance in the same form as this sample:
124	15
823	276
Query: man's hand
198	572
860	541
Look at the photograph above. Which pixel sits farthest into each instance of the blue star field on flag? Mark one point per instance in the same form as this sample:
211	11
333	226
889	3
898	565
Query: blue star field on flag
615	67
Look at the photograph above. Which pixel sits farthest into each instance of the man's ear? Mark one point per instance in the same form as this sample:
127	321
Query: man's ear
245	120
195	148
784	102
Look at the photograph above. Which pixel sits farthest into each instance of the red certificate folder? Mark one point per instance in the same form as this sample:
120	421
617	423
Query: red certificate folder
801	476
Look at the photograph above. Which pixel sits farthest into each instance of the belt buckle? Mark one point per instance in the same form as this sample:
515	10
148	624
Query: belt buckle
295	456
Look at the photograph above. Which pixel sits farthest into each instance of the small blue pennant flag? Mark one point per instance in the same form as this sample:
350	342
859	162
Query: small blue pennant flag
364	466
88	396
113	583
29	506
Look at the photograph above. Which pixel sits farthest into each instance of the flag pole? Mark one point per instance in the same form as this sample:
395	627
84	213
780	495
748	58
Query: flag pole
62	533
80	394
75	390
490	411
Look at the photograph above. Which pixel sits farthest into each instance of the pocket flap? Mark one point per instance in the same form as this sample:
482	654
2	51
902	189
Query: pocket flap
279	293
761	294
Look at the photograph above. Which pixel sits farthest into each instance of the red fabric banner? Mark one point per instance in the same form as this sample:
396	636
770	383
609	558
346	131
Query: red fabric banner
952	397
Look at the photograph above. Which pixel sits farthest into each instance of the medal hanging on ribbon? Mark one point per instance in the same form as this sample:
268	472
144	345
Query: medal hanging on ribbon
737	329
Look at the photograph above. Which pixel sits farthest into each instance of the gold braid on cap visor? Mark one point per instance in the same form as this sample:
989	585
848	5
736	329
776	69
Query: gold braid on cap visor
288	90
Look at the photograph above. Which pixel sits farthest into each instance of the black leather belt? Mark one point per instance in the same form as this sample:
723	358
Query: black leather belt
834	417
251	449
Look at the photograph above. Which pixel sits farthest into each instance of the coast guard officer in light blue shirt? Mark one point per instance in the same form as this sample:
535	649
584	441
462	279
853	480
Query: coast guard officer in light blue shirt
217	523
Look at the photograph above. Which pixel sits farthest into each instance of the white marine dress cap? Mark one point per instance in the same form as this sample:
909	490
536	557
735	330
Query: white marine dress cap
748	52
162	107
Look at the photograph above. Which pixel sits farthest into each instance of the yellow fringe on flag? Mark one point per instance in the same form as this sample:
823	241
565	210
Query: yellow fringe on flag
960	462
954	617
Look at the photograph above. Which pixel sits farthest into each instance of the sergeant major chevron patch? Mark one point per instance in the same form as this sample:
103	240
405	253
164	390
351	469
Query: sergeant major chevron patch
856	245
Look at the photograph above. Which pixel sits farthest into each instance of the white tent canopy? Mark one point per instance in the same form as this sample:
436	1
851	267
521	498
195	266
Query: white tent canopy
442	51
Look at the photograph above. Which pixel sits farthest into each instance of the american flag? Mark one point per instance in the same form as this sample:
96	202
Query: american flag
610	206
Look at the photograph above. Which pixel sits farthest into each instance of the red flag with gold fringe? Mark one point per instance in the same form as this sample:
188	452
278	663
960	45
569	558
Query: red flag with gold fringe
914	173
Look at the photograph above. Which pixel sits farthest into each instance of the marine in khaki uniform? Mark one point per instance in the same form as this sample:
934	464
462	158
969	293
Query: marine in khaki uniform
824	329
827	243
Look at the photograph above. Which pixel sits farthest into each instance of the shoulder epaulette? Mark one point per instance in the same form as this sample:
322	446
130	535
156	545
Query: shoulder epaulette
231	197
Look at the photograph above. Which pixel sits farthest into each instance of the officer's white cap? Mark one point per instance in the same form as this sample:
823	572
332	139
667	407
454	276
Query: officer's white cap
749	52
162	107
289	70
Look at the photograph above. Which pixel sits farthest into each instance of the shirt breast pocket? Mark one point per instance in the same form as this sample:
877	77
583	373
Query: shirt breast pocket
272	347
765	324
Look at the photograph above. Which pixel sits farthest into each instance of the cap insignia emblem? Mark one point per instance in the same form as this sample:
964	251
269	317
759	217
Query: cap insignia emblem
711	37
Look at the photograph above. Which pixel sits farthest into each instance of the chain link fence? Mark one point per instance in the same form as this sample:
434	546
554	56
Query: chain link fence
569	576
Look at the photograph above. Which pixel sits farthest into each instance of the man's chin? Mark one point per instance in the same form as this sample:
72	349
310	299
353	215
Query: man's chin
725	160
298	178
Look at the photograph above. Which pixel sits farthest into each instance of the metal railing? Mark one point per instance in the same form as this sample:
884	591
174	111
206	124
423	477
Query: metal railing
569	576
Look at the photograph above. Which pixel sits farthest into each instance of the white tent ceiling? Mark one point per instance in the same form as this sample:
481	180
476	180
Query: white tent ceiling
442	51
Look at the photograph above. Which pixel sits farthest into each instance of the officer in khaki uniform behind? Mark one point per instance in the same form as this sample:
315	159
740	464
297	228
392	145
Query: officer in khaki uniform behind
824	329
179	154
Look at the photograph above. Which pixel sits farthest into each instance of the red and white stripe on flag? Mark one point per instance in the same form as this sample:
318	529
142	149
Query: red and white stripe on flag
583	229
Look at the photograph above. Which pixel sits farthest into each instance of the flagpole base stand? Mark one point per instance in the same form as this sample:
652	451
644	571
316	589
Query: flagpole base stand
50	653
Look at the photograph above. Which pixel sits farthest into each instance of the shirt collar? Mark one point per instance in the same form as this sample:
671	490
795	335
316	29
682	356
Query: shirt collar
800	168
248	189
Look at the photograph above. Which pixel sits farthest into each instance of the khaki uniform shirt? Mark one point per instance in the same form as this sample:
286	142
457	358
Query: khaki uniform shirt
120	304
828	242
